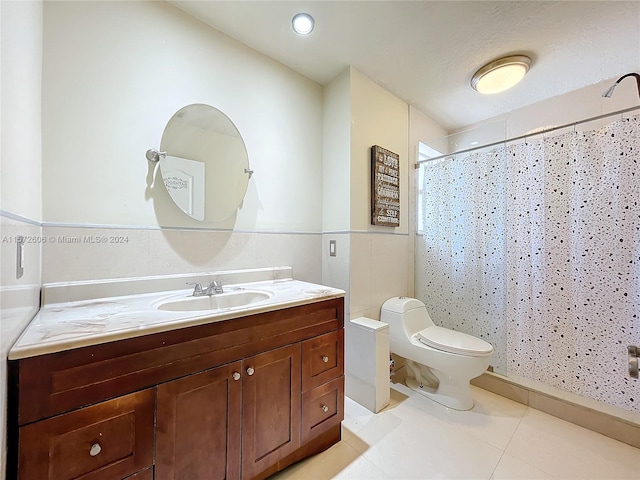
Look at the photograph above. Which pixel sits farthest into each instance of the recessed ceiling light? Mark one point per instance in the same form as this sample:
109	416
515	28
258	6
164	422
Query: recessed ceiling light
500	74
302	23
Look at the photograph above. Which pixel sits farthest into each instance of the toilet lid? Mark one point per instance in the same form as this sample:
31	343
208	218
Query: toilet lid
454	342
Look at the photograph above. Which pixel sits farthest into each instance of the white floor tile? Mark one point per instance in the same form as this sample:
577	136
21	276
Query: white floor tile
436	455
499	439
568	451
361	469
511	468
340	461
377	430
424	447
493	419
356	416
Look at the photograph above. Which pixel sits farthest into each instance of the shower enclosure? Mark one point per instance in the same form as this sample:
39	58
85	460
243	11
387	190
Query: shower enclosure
534	246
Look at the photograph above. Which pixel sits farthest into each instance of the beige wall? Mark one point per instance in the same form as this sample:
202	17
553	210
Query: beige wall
372	263
336	154
377	118
381	258
337	183
107	96
109	92
20	197
21	93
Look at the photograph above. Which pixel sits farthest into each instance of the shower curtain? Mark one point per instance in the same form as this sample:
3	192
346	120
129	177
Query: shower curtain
535	247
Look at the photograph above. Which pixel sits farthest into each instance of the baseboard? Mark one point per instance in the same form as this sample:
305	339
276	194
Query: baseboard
622	427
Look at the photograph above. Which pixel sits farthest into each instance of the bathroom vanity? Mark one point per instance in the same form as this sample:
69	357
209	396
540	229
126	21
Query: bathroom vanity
238	392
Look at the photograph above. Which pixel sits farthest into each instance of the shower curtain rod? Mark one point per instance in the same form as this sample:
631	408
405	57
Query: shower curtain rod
542	132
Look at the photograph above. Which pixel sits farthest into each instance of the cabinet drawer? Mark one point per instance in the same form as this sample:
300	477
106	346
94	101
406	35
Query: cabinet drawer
322	408
322	359
109	440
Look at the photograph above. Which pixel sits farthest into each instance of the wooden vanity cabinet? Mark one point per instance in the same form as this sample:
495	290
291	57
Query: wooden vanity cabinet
233	399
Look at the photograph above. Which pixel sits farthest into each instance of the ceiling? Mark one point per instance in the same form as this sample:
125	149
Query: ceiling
425	52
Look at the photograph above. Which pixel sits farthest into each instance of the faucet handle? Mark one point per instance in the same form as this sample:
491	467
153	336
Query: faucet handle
197	289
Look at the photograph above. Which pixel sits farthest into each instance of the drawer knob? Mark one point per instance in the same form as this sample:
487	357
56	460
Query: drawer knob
324	408
236	376
325	359
250	371
95	449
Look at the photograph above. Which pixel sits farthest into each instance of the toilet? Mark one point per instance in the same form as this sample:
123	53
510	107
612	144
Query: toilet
440	362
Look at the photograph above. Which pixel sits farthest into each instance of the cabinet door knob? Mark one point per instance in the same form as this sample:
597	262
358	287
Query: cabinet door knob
250	371
324	408
325	359
236	376
95	449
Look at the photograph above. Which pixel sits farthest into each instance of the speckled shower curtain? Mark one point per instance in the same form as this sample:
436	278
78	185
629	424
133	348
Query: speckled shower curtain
535	247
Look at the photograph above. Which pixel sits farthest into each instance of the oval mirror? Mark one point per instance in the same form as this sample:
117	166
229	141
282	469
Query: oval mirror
206	167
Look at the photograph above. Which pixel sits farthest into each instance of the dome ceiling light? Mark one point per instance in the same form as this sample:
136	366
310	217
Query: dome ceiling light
501	74
302	23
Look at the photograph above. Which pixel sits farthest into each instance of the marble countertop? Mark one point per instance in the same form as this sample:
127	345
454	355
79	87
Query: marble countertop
71	324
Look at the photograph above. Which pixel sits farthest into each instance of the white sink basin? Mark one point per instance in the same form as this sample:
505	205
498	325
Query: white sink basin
214	302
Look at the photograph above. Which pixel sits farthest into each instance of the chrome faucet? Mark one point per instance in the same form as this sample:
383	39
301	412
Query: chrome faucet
214	288
197	289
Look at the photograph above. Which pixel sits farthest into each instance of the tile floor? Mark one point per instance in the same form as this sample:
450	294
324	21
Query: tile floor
415	438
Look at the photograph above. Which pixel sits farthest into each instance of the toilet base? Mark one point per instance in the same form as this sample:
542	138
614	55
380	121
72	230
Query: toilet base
457	397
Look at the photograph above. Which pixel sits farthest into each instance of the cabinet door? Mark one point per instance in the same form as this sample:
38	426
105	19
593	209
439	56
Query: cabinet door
271	408
198	426
143	475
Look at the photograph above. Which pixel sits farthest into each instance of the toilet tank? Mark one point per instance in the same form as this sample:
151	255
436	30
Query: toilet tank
405	317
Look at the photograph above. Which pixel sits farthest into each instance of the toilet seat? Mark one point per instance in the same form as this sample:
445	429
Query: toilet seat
454	342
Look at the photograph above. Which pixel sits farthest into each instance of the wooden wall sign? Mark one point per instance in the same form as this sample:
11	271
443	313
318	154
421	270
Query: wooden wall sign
385	187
